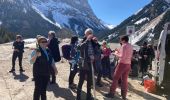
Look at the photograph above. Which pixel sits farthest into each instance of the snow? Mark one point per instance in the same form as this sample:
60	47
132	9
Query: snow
30	40
110	26
111	36
76	28
138	11
61	12
150	37
0	23
44	17
61	18
77	2
57	9
139	35
168	1
24	10
141	20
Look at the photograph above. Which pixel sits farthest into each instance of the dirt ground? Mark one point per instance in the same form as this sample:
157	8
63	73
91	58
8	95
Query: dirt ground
19	86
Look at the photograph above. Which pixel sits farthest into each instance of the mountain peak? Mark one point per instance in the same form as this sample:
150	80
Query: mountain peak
72	15
147	21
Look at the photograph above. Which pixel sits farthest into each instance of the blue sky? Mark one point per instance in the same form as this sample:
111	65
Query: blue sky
115	11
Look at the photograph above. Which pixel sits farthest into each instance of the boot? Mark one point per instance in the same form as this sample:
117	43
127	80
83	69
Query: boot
21	69
109	95
123	95
12	70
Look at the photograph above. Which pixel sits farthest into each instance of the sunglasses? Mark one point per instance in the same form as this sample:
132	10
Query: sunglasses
43	41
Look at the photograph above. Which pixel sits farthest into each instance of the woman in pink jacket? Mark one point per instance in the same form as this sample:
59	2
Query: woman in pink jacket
123	68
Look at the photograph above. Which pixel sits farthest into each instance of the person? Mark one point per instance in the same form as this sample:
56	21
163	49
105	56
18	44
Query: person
18	47
97	61
151	55
53	45
74	54
122	70
144	58
37	46
87	56
42	62
106	51
134	64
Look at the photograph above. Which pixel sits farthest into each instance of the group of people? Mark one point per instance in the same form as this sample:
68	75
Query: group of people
83	55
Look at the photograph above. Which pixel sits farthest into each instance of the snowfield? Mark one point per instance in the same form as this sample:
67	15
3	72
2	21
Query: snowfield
141	20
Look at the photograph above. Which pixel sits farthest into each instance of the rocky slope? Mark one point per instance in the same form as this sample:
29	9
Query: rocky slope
31	17
148	22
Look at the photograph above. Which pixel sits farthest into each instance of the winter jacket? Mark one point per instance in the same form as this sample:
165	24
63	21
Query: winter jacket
54	48
86	50
42	65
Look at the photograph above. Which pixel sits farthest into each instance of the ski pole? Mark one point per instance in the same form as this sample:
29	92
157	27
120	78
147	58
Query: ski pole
93	79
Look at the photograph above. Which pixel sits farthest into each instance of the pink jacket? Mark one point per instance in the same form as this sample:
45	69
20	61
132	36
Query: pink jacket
125	53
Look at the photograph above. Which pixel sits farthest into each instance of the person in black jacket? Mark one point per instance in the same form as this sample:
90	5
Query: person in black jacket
18	47
151	55
53	45
144	58
42	63
74	54
97	61
87	56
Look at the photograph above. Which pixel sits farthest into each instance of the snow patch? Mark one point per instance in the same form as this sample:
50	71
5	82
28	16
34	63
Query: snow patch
24	10
30	40
57	9
44	17
141	20
111	36
0	23
138	11
168	1
60	18
110	26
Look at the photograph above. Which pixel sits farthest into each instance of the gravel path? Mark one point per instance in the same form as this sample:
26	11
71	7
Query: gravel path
19	86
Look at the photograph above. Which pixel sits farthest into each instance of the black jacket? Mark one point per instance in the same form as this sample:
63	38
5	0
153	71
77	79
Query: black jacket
42	66
19	46
144	51
54	48
86	62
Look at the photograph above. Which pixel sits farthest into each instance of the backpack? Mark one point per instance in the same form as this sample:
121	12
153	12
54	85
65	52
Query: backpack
66	50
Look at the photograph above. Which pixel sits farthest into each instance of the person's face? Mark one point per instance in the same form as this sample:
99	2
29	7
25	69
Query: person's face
104	44
87	34
43	43
120	41
49	36
18	39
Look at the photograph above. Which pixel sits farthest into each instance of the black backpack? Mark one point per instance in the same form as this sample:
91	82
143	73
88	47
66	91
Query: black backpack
66	50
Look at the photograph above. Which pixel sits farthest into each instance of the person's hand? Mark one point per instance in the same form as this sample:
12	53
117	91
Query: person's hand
38	54
16	50
116	50
90	37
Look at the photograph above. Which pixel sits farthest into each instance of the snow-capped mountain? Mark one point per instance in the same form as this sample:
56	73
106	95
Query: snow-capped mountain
33	17
76	15
148	22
